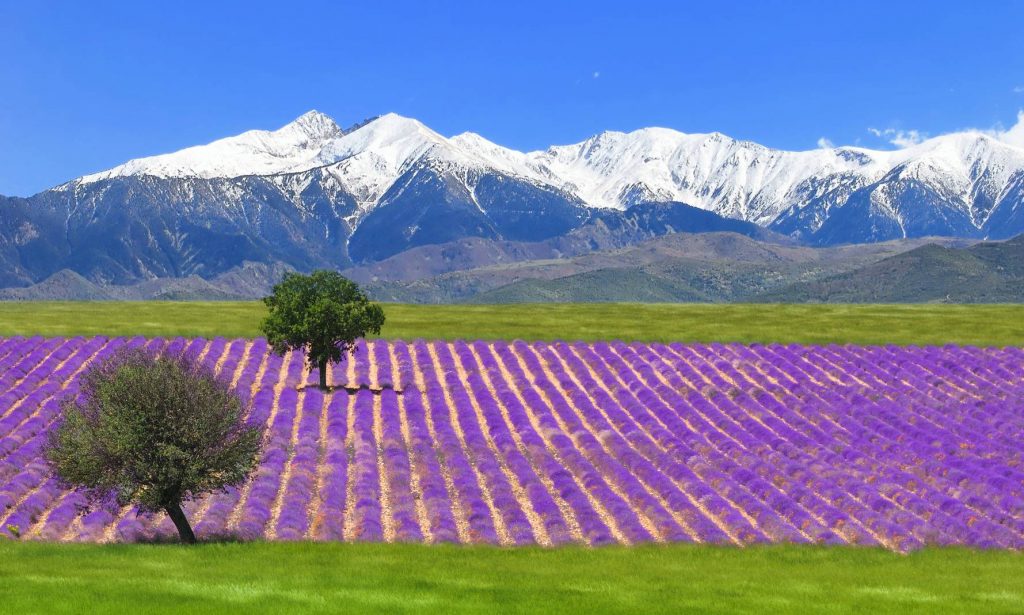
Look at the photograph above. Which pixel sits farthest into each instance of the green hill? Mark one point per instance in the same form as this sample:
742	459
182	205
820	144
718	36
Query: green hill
990	272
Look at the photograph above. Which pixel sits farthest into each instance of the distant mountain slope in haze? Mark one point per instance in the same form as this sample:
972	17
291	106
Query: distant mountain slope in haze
677	267
249	281
602	285
603	231
680	267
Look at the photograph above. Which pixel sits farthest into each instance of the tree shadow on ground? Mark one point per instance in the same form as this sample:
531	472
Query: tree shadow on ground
207	539
351	390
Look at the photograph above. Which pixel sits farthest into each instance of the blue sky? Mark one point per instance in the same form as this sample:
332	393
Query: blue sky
85	86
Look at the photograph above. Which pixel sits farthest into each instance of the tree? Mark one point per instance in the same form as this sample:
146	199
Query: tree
324	313
155	431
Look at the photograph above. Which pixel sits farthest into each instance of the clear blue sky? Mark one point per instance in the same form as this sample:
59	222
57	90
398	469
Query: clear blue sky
85	86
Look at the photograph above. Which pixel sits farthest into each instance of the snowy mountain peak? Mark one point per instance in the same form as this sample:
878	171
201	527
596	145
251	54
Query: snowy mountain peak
390	137
391	128
470	140
315	125
372	156
297	145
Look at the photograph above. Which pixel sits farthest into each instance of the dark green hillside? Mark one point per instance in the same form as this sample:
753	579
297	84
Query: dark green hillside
991	272
1003	257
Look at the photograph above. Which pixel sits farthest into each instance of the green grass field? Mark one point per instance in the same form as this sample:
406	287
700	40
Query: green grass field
365	578
983	325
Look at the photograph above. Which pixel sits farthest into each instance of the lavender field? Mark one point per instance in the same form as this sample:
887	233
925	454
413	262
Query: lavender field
555	443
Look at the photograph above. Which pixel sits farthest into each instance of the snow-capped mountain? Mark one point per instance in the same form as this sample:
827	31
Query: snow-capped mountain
314	194
736	179
366	159
972	173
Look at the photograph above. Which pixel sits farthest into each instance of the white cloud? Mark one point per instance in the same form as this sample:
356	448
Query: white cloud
899	138
1019	89
1014	135
825	143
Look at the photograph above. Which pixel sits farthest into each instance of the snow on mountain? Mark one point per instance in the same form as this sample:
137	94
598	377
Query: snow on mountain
297	146
737	179
366	160
969	172
744	180
370	159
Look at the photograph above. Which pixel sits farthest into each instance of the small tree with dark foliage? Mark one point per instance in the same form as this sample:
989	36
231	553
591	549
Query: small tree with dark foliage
323	312
155	431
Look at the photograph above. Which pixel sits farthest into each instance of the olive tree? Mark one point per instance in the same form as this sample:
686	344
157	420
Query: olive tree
154	431
323	313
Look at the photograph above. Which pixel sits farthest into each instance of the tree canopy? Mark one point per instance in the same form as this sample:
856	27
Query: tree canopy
323	313
155	431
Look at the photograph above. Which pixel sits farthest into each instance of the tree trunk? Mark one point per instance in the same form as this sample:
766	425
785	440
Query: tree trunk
323	374
181	522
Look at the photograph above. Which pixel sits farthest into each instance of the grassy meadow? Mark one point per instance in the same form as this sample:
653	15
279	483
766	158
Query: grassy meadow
396	578
982	325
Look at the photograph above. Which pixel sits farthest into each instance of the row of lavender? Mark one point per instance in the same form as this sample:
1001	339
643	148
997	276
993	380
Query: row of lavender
556	443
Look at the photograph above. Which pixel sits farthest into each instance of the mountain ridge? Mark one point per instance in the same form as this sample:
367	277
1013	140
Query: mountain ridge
681	267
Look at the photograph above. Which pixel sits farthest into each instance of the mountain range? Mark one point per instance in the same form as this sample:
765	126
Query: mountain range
678	267
312	194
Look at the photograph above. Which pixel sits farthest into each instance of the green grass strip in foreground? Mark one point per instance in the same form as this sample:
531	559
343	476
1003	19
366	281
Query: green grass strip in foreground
364	578
982	325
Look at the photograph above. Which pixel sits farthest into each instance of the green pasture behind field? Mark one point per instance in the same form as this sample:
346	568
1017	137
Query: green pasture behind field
396	578
982	325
